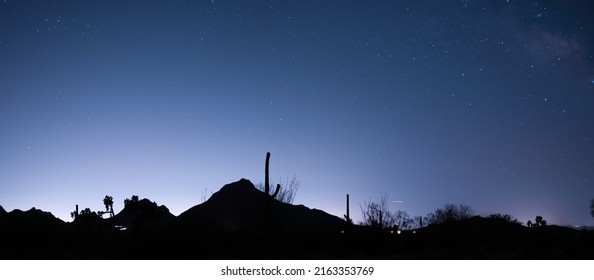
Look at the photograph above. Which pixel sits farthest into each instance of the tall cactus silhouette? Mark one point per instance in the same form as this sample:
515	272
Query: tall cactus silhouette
267	179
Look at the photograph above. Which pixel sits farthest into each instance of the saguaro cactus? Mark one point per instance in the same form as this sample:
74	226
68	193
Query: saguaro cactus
347	217
74	214
267	179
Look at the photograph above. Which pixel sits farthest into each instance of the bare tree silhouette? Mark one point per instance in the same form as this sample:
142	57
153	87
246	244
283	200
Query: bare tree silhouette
450	213
377	214
288	192
205	195
419	222
402	220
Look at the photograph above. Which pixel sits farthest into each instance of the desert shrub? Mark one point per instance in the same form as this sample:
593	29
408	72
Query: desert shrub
403	221
504	217
288	189
376	213
419	222
538	222
450	213
131	202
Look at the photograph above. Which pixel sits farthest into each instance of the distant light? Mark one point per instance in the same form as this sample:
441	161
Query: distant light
342	231
399	231
414	231
120	228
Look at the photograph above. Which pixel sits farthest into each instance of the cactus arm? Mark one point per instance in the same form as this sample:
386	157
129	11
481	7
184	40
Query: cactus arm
266	175
276	191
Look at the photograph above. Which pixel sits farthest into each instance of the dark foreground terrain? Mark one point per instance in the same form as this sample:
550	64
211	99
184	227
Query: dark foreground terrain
240	222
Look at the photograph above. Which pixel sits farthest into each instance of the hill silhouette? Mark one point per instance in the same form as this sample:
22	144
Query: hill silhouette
143	216
488	238
241	222
240	206
31	233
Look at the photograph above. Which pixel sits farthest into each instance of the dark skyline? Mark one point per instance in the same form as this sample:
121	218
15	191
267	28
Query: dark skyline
484	103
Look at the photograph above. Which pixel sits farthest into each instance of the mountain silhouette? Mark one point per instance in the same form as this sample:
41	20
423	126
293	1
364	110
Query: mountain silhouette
3	215
240	206
32	220
242	222
142	216
31	234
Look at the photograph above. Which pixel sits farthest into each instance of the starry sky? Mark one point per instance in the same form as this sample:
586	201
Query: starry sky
483	103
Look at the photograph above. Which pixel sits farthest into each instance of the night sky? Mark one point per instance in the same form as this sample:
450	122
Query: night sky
483	103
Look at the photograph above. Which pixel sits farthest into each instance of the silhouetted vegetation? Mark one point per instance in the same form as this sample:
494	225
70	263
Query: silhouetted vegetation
402	220
132	201
376	213
419	222
504	217
347	216
450	213
267	178
108	202
87	213
238	222
288	192
74	214
205	195
285	194
538	222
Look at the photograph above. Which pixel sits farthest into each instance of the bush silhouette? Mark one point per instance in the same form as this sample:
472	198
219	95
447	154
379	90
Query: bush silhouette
288	192
376	213
538	222
504	217
131	202
450	213
402	220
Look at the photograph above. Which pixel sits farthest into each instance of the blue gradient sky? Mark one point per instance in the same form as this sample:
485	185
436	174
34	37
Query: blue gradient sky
485	103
